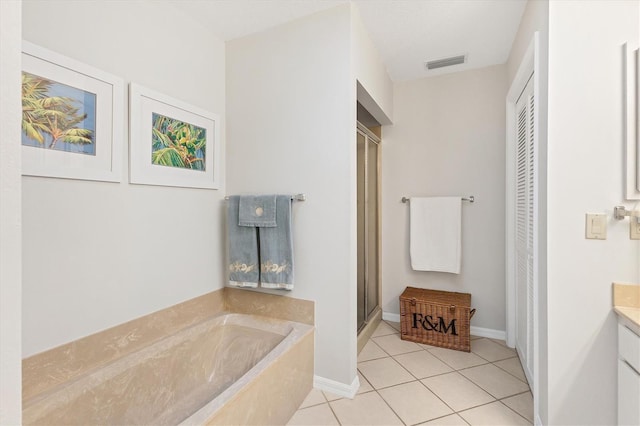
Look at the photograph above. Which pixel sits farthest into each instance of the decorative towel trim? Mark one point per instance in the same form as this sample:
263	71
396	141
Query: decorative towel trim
243	284
276	268
241	267
277	286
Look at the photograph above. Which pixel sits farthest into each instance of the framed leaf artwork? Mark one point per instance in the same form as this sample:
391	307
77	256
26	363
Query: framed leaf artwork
72	118
172	143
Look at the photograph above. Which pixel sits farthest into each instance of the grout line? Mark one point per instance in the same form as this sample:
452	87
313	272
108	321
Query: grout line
383	335
389	324
459	411
476	406
418	378
390	386
441	417
438	396
396	385
314	405
390	407
366	380
508	372
379	347
514	411
462	368
515	394
438	375
334	413
401	366
487	391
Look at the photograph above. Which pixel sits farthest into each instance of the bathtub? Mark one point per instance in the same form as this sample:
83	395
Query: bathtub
228	369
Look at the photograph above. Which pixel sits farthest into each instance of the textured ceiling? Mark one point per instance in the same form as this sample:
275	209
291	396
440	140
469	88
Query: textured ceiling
406	32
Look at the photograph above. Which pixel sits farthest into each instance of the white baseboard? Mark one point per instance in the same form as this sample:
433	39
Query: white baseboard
337	388
488	332
476	331
389	316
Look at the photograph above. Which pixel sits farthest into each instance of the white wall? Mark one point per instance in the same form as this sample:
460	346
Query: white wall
10	226
585	174
291	104
291	128
99	254
376	88
536	19
448	139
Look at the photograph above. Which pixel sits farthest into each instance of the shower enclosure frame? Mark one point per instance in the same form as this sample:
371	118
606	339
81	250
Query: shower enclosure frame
369	311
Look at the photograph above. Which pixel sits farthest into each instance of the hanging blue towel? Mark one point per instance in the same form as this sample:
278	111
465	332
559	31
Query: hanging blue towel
257	210
276	249
243	249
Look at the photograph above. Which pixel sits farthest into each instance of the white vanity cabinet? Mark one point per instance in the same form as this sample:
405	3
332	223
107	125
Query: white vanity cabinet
628	374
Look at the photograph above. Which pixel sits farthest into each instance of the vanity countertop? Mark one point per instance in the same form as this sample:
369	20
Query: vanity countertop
626	302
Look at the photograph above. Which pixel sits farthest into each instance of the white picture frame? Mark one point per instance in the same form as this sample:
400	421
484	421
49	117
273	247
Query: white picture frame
150	140
637	142
52	150
631	61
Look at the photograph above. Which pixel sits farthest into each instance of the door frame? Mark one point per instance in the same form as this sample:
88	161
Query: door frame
529	65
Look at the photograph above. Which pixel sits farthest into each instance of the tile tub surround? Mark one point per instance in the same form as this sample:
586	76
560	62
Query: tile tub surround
45	371
251	302
626	303
201	366
272	399
51	370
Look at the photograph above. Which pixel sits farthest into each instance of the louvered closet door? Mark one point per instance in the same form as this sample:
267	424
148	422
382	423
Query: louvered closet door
525	177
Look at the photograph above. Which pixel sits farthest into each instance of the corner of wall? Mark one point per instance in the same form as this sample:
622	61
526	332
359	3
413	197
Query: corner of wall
127	250
374	86
10	212
301	105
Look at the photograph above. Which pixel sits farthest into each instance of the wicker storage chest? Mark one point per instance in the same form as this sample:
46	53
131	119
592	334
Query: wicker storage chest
435	317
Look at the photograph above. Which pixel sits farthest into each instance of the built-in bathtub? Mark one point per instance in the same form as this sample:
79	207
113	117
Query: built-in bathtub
228	369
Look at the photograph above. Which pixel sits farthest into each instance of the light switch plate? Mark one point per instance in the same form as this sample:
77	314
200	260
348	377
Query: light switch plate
634	228
596	226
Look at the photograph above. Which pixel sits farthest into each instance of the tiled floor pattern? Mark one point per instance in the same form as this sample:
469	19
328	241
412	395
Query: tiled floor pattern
405	383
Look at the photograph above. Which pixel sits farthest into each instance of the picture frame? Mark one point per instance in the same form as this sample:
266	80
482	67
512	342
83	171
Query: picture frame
72	118
631	69
172	143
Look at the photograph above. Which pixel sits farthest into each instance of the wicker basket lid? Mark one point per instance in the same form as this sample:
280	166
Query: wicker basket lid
437	296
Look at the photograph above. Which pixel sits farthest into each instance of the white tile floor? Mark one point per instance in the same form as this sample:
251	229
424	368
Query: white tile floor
404	383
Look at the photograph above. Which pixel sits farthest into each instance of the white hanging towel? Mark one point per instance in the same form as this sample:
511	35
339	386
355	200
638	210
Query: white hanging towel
435	234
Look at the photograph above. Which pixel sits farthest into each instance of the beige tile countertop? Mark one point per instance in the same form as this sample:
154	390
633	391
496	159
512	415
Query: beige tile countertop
626	302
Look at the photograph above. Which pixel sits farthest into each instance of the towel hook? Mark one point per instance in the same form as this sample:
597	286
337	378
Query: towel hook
620	212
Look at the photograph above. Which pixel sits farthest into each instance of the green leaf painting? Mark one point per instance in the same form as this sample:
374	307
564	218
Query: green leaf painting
178	144
56	116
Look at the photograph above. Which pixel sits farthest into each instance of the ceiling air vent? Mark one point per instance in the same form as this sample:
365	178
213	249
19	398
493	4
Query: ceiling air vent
446	62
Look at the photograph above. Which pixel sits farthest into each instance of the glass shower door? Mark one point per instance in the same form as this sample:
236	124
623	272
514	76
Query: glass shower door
371	221
361	152
368	225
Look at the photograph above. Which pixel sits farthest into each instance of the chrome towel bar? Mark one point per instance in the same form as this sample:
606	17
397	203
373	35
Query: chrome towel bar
470	199
297	197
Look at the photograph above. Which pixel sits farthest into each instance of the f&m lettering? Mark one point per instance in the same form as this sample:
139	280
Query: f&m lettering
439	326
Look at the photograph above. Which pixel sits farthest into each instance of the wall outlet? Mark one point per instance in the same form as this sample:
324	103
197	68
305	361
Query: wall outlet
634	228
